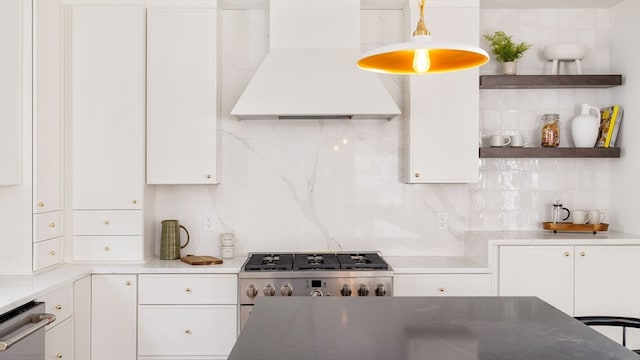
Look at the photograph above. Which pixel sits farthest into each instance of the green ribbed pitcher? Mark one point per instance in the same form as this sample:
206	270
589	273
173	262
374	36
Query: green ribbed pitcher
170	240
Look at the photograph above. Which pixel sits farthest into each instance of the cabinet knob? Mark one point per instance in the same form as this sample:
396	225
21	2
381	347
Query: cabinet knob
52	225
582	253
417	175
107	222
187	290
187	331
208	176
58	356
106	248
134	201
58	307
441	289
566	253
52	253
41	204
128	283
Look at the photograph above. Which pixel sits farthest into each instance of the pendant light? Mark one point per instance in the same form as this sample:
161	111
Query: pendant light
421	55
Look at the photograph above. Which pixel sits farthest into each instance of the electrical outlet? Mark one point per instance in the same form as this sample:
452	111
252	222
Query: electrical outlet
443	221
207	222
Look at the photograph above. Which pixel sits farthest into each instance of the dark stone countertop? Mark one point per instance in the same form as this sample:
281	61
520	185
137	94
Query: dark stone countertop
433	328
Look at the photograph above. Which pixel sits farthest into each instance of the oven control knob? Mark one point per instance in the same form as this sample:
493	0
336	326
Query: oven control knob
286	290
316	292
381	290
269	290
363	290
345	290
252	291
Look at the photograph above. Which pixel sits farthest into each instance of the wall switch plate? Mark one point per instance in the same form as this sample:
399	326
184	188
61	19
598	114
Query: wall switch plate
207	222
443	220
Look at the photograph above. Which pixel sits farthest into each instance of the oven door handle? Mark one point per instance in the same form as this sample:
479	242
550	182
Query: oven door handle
35	323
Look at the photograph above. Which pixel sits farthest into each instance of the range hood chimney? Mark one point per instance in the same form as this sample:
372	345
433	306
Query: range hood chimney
310	71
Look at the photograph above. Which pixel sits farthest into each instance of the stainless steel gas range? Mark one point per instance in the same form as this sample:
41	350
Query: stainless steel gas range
312	274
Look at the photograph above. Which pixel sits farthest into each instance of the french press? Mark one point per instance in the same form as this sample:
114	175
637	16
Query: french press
556	213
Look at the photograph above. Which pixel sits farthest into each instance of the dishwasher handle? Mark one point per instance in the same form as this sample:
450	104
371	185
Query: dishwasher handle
36	323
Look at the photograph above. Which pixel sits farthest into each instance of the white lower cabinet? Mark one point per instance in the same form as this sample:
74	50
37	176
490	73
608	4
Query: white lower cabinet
59	341
441	285
113	317
187	316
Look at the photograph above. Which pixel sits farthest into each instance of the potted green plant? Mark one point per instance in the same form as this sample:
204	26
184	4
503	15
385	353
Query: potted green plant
506	51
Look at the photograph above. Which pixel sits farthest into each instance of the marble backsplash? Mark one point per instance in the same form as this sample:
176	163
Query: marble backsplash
336	185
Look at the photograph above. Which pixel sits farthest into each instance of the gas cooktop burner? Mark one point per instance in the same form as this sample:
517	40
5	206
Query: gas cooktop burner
315	261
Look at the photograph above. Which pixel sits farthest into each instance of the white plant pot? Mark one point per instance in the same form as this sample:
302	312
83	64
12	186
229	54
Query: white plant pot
509	68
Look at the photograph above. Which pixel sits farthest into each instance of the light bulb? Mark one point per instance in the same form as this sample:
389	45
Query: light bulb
421	62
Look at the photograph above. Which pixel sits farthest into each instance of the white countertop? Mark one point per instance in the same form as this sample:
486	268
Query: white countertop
16	290
435	265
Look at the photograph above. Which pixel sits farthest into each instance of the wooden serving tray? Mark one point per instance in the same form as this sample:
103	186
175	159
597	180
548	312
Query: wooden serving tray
200	260
567	226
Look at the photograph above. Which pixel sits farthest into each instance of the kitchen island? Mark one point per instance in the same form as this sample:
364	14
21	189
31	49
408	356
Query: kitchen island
384	328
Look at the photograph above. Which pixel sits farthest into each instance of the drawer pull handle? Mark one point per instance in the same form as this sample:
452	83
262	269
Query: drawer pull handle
106	222
52	253
106	248
52	225
187	331
187	290
582	253
128	283
58	307
134	201
208	176
58	356
441	289
417	175
566	253
41	204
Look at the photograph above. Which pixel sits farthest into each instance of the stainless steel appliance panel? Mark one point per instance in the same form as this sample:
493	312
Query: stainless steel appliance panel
22	332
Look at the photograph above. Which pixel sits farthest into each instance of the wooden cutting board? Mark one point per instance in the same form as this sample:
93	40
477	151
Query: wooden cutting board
201	260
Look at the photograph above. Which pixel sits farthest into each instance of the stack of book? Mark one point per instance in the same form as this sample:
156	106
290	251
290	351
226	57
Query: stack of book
610	121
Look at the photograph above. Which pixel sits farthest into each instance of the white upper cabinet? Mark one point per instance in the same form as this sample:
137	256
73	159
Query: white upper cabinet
106	104
441	110
182	127
16	46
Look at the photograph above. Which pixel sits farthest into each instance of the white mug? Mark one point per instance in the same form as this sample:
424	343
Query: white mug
580	216
519	140
596	217
499	140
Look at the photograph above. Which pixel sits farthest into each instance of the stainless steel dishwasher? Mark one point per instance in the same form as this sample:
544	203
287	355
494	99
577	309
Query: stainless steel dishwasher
22	332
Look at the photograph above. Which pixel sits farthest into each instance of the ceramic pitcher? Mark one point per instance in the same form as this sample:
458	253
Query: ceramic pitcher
170	240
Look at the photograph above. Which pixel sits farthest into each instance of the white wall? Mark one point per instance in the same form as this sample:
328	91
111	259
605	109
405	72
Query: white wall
625	192
331	185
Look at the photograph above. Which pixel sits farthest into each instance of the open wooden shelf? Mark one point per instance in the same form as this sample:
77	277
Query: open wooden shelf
543	152
549	81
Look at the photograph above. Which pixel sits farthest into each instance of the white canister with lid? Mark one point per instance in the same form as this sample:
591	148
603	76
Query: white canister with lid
227	248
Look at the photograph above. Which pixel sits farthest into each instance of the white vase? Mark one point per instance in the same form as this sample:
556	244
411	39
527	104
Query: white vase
509	68
584	127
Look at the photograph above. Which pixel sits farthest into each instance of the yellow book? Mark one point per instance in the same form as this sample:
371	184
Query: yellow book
614	118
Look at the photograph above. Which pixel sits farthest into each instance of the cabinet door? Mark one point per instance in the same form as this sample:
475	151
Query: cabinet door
181	95
113	317
542	271
48	101
13	66
604	282
441	110
59	341
441	285
106	96
82	318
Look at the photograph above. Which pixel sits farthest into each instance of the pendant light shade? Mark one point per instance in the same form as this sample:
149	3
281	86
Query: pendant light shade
421	55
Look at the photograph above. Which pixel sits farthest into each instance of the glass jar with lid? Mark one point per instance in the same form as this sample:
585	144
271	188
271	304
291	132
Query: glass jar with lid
550	134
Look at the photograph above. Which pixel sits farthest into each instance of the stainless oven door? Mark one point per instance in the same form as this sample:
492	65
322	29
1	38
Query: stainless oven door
22	332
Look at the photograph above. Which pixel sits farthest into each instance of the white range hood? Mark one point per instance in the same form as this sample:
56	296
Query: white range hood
310	71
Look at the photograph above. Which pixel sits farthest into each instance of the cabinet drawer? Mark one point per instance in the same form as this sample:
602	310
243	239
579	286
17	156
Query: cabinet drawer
107	222
188	289
47	225
186	329
59	303
59	341
442	285
47	253
107	248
